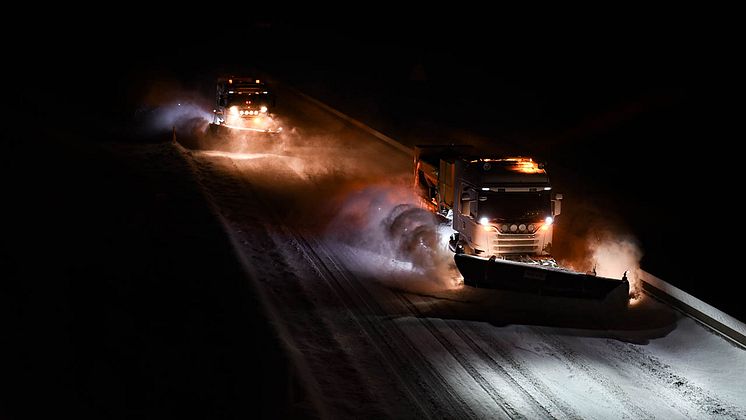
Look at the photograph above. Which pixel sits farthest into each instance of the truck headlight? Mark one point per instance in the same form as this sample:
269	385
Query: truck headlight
549	220
263	109
484	221
522	227
234	110
531	227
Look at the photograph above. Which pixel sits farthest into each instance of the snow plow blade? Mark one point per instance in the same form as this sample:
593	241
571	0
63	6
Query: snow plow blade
227	139
540	280
227	130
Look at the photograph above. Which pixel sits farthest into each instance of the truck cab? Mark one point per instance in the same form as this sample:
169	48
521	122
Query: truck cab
502	207
239	99
505	207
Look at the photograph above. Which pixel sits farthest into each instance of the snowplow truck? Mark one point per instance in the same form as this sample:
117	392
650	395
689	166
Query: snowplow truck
243	104
502	211
241	98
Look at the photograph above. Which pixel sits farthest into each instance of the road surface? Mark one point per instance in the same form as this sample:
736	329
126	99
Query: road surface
376	328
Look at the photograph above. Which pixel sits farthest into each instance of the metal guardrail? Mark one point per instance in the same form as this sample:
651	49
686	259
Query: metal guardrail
375	133
718	321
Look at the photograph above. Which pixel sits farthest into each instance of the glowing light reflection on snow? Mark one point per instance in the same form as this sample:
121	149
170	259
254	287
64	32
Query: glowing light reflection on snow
237	156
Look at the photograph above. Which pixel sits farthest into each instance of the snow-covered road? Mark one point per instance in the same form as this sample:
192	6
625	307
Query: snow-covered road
373	335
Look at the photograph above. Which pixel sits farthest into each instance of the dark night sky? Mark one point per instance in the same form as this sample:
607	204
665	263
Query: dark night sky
568	66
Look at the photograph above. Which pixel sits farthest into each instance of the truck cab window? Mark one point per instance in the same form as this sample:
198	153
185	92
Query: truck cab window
469	202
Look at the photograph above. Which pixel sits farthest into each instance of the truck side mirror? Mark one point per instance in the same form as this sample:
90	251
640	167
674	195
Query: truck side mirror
557	204
468	195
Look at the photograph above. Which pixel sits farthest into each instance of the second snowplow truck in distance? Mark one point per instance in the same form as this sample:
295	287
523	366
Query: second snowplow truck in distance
241	98
502	210
244	104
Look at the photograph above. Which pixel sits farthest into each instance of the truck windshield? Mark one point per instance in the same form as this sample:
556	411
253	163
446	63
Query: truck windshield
236	99
514	206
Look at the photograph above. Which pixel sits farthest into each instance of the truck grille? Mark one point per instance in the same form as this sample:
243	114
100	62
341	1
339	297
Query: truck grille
515	244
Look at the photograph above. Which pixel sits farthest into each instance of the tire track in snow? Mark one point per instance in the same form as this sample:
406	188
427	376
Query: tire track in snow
236	202
401	352
576	362
393	338
665	379
218	190
461	358
532	383
521	373
528	386
560	409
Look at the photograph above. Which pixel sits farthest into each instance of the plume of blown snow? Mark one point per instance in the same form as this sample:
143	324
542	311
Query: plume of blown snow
183	116
613	256
405	240
167	105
